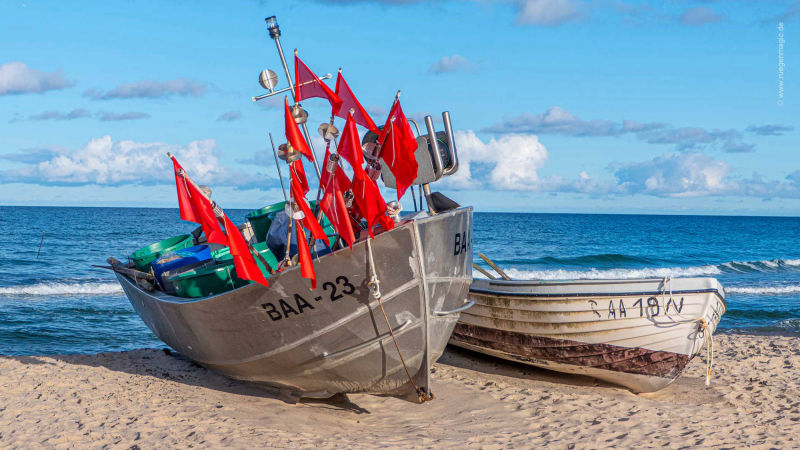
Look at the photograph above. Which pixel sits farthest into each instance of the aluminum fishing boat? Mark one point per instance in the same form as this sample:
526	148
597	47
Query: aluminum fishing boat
636	333
381	313
316	343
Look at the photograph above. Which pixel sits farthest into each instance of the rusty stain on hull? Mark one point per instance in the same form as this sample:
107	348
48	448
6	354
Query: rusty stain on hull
599	356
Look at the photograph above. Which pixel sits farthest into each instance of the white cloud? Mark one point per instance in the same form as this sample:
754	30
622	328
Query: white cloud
699	15
512	161
557	120
547	12
105	162
150	89
119	117
447	64
230	116
17	78
675	175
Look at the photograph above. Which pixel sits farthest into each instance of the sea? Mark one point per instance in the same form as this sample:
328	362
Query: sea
53	301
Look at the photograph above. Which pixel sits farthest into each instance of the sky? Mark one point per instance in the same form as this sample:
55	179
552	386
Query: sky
607	106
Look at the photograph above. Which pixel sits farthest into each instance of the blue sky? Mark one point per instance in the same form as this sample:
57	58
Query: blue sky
560	105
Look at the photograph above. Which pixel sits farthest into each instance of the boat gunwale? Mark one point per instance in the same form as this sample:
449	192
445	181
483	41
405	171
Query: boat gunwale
715	291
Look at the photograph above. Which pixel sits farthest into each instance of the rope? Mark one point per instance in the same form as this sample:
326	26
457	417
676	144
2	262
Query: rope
667	279
375	291
708	337
709	341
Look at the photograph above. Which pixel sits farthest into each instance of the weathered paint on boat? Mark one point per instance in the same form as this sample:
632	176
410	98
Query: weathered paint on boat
316	343
636	333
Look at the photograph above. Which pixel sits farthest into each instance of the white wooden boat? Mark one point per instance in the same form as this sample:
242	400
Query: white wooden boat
636	333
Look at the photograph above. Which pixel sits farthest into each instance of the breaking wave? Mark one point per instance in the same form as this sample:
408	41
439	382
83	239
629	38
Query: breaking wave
763	290
774	265
60	288
595	274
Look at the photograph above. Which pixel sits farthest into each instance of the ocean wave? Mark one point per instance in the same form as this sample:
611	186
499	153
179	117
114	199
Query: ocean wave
61	288
773	265
603	258
763	290
594	274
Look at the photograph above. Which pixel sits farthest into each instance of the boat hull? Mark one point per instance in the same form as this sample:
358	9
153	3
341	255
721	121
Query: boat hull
636	333
333	339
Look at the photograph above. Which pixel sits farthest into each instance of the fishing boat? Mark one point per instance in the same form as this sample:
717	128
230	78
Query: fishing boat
637	333
382	310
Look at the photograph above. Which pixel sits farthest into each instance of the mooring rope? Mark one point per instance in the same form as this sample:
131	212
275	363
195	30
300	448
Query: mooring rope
702	325
709	341
375	291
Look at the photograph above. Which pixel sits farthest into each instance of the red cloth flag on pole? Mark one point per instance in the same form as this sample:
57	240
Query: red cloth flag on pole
349	102
309	221
184	199
243	260
340	178
306	263
205	212
366	194
296	140
398	145
314	87
350	148
333	204
370	203
299	173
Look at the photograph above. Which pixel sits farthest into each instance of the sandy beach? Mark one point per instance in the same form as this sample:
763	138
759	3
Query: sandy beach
154	399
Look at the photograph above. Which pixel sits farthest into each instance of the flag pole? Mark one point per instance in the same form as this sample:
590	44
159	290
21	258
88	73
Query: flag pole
278	165
379	149
275	33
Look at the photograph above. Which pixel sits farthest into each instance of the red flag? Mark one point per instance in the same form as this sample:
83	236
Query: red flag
299	173
339	176
407	139
184	199
397	149
306	263
315	86
349	102
293	135
366	194
370	203
309	221
246	267
350	148
205	212
333	204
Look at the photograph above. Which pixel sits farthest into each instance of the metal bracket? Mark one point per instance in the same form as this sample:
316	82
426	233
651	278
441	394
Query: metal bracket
467	305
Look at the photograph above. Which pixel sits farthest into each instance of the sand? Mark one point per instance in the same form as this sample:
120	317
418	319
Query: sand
152	399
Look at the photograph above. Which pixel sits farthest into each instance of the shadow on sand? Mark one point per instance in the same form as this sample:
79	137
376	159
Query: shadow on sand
470	360
166	364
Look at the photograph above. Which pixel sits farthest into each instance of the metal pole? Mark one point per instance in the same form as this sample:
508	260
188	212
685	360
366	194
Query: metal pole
40	245
261	97
278	165
294	97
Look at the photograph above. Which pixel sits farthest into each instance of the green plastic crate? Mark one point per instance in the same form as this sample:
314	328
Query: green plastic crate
217	279
261	220
146	255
